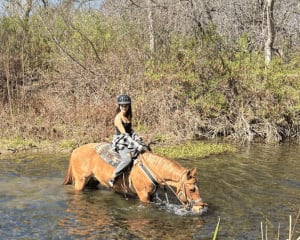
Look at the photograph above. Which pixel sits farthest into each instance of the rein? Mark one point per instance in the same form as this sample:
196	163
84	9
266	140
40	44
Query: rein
150	176
177	195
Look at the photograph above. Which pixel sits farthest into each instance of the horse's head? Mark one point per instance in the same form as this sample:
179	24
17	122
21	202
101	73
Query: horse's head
188	192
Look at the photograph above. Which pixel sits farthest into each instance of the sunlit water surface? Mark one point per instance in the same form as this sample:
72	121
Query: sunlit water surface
258	184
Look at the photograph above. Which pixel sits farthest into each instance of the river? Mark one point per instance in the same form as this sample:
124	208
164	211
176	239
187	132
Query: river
259	184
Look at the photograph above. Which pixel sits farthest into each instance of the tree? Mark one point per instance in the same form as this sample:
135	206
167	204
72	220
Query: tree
151	31
270	31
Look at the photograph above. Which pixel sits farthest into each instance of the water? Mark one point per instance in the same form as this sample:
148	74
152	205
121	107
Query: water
256	184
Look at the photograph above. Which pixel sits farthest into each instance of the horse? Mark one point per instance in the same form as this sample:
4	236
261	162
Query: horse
148	172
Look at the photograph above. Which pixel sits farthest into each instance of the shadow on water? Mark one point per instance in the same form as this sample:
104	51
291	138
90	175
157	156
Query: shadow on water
259	183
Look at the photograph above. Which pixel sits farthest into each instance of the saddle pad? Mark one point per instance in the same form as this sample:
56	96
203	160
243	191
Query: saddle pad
110	156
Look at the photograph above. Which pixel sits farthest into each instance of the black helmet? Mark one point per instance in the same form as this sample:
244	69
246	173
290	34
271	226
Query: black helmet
124	99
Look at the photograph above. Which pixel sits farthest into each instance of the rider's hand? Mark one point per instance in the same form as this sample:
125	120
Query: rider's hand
140	147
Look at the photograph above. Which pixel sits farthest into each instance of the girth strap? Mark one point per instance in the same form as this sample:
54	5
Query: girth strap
148	174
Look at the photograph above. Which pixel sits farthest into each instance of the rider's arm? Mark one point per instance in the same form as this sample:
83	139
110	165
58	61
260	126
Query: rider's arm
119	125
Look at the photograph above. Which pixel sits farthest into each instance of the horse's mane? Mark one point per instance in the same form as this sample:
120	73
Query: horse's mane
163	166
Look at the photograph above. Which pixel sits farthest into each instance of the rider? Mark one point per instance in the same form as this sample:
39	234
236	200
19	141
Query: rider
125	141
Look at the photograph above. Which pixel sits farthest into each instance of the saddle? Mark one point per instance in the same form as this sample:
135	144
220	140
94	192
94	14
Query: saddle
108	154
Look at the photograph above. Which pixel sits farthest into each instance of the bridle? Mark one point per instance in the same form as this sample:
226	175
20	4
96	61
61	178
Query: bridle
182	192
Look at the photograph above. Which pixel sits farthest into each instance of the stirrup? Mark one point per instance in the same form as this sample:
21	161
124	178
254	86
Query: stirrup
111	182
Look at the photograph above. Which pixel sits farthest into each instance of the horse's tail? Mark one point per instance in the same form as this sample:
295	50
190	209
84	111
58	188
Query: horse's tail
69	176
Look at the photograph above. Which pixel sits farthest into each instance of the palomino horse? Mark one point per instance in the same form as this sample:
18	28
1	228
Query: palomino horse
149	171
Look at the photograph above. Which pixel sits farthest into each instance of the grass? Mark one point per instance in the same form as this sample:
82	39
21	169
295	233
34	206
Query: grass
264	232
216	229
20	144
189	149
192	149
16	144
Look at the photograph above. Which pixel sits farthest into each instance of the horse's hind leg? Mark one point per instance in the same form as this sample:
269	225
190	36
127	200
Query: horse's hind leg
80	183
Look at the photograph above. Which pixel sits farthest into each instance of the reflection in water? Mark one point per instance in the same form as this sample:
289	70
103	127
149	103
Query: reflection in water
109	216
84	217
257	184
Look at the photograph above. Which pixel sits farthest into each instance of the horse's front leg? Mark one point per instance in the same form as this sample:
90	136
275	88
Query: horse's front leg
143	188
145	192
144	196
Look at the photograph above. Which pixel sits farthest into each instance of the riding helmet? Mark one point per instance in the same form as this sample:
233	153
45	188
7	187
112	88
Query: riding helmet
124	99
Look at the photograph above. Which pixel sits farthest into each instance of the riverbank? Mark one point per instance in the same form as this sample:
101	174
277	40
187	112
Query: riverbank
188	149
16	145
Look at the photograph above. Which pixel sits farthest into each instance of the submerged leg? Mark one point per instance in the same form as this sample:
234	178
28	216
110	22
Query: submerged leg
80	183
143	196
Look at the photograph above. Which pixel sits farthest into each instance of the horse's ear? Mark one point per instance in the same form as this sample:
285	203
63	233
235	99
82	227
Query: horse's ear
191	173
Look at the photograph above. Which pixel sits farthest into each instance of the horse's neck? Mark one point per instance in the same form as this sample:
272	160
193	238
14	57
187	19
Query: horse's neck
165	169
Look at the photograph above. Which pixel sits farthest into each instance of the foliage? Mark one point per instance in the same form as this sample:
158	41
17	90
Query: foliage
60	72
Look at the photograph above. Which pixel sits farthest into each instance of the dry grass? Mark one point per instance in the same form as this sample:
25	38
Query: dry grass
291	233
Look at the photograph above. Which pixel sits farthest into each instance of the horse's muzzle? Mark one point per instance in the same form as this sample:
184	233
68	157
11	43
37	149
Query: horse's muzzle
198	206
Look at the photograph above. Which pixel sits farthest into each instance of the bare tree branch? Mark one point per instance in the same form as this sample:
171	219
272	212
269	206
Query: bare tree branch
85	37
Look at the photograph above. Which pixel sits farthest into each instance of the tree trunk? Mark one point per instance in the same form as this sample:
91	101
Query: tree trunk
151	30
270	32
